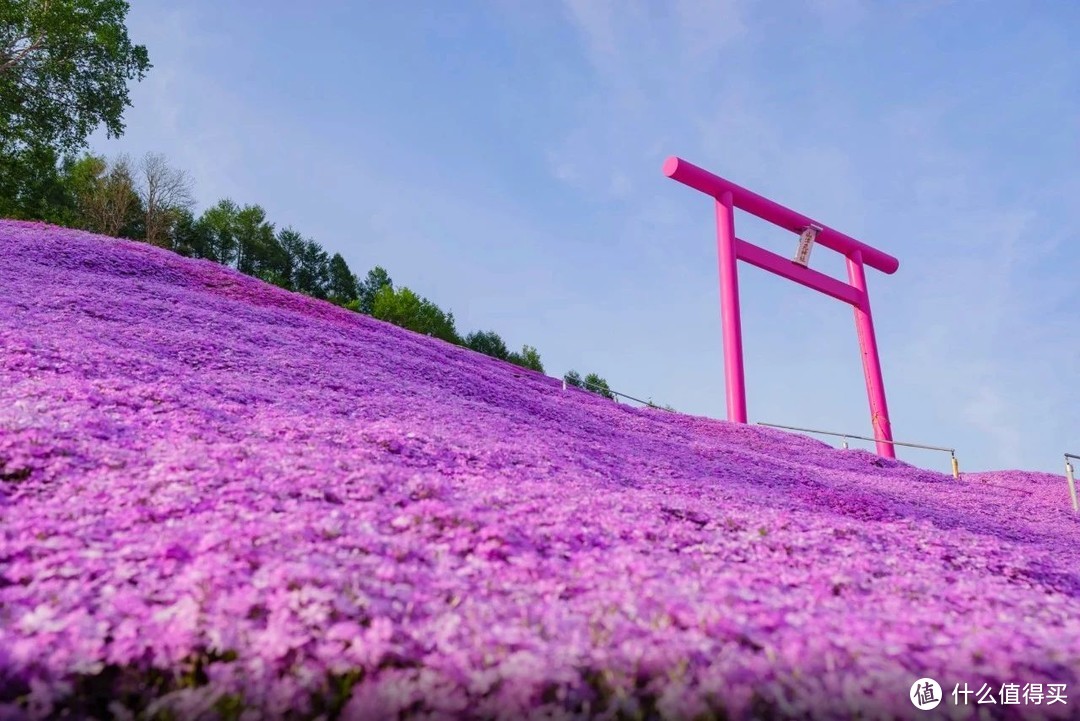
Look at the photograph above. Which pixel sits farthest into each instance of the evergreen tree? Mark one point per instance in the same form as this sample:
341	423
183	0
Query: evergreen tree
259	251
292	246
592	383
342	287
192	236
377	279
220	225
311	270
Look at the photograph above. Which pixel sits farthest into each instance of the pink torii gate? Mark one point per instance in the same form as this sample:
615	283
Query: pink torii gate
729	196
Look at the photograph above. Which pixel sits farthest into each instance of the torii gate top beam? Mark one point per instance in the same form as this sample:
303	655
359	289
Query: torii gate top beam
704	181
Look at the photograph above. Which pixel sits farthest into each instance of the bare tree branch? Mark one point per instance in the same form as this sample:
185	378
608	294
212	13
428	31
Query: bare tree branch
163	191
13	60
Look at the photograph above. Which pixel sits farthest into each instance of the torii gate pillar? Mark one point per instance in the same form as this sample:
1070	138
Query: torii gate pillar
731	249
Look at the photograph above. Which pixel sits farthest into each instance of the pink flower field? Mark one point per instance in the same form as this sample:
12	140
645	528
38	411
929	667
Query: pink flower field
219	499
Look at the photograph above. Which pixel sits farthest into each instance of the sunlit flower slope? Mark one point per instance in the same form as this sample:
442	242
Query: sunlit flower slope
219	498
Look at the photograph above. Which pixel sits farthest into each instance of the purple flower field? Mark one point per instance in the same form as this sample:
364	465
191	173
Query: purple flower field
219	499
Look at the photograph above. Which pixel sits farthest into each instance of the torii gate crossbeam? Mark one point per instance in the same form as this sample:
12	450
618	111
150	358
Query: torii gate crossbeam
731	249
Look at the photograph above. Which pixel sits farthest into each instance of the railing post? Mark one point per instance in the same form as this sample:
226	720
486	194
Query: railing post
1072	484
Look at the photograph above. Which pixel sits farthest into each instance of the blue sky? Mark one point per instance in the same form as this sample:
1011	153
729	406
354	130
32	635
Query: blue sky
504	158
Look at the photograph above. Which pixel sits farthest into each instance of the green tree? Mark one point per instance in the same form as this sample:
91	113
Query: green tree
597	385
529	357
219	223
405	308
377	279
85	178
308	263
105	194
488	343
342	287
312	270
258	252
275	265
192	237
292	245
33	188
573	378
64	70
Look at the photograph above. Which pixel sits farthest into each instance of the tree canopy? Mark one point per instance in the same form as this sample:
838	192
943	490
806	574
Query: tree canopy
488	343
64	71
104	194
342	286
258	251
405	308
596	384
377	279
529	357
192	236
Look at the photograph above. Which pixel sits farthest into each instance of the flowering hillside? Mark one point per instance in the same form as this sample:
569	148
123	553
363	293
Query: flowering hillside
221	499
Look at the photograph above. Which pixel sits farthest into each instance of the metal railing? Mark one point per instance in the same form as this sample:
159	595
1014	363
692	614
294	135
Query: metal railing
846	436
1069	471
586	386
605	389
1072	481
